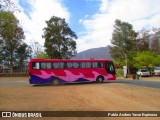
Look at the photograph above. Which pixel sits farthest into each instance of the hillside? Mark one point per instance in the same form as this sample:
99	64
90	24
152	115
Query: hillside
98	53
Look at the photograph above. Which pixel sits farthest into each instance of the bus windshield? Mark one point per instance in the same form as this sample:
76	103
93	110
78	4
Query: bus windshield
110	68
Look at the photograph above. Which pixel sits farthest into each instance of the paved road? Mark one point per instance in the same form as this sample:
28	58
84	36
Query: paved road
154	84
14	83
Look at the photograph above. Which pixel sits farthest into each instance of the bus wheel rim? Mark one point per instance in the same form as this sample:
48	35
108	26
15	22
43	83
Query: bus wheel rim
55	82
100	79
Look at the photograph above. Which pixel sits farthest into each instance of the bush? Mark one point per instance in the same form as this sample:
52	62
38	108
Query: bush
119	72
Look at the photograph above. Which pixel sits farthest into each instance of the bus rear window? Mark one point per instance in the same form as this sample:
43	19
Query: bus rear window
36	65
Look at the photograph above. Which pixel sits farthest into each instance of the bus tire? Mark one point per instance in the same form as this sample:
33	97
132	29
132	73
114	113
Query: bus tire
100	79
55	81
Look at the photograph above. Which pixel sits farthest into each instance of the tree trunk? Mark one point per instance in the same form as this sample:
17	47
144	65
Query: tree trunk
11	64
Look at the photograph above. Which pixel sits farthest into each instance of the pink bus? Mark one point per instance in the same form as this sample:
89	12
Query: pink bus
58	71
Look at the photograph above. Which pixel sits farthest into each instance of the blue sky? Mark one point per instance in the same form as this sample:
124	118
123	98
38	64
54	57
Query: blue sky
91	20
27	7
80	9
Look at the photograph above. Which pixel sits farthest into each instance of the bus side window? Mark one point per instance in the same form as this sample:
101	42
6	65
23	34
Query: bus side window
76	65
100	64
88	65
58	65
61	64
94	64
43	65
68	65
55	65
35	65
82	65
48	65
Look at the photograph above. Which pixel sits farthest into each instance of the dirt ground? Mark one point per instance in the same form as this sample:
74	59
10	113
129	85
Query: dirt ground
80	97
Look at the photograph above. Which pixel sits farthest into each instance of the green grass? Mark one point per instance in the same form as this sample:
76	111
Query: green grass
119	72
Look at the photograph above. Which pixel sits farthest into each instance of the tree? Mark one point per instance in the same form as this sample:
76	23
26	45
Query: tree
123	41
11	35
157	61
155	45
42	55
22	53
36	48
8	5
145	58
143	40
59	39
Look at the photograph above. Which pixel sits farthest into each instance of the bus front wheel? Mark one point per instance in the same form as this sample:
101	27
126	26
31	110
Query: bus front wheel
55	81
100	79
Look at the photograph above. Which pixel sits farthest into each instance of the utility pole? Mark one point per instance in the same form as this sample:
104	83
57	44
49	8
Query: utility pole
126	59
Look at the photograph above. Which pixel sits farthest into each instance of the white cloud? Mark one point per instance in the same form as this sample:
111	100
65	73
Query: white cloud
85	16
80	21
41	10
104	5
99	27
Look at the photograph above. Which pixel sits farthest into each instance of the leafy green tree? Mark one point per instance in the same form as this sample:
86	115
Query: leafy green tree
11	35
42	55
145	58
131	61
59	39
157	60
123	41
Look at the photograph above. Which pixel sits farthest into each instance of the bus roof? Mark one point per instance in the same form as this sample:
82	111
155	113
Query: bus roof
68	60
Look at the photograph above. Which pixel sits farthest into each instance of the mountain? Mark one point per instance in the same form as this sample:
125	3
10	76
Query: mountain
97	53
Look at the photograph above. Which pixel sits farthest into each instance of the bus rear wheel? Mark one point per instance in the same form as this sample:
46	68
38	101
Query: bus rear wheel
55	81
100	79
